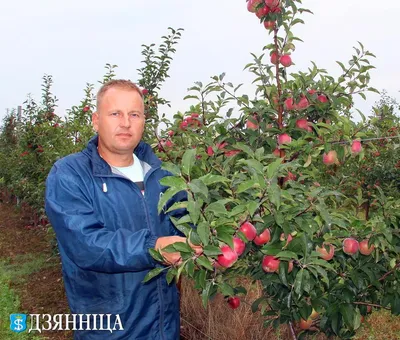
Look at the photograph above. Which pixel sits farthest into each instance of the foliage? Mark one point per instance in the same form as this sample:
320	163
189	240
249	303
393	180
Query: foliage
283	159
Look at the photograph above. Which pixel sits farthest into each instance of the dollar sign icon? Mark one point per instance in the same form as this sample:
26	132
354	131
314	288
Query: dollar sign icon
18	322
18	325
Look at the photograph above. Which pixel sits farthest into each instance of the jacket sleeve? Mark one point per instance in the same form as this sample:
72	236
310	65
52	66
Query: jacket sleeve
84	238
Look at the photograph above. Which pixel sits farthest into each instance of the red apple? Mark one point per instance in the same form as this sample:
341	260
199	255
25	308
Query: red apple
270	264
227	258
290	177
356	147
210	151
290	267
283	238
248	230
303	103
330	157
263	238
364	249
274	57
277	152
289	104
269	25
324	253
145	91
252	5
262	12
350	246
321	98
222	145
183	125
231	153
238	245
272	3
86	109
284	139
305	324
286	60
234	302
303	124
252	125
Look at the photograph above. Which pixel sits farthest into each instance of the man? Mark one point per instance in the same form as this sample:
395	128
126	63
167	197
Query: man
102	204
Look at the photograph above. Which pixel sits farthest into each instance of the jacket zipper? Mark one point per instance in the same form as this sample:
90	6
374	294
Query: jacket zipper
136	189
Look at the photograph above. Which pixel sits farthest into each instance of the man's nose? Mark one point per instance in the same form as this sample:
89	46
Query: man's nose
125	121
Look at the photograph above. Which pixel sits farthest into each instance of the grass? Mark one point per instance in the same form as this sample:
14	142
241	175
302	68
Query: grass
9	301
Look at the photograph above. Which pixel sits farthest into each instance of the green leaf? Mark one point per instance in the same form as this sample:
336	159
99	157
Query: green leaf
174	182
246	185
272	168
252	206
200	279
153	273
253	164
274	194
194	211
226	289
198	187
298	283
188	160
287	255
211	250
283	268
190	268
203	229
203	261
244	148
256	303
171	192
172	168
348	313
226	238
206	294
216	208
156	255
171	274
212	179
182	247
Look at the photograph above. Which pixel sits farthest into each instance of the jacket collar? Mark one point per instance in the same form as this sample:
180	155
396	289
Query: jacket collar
101	168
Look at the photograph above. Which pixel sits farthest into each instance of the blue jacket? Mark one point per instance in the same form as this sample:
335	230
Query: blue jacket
105	227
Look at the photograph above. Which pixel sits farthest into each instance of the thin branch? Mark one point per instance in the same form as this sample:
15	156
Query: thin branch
370	304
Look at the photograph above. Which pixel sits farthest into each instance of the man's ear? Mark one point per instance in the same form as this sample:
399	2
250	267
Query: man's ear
95	121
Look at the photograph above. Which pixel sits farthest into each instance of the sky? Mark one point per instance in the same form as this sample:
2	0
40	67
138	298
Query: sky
73	40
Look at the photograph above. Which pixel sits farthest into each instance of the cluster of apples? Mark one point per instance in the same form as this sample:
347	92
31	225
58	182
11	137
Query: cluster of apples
263	10
229	256
329	157
350	246
191	121
303	102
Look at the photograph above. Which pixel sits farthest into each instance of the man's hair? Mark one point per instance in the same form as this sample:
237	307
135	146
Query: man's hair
116	83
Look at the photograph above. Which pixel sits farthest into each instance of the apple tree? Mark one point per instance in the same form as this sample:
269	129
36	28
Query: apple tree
267	181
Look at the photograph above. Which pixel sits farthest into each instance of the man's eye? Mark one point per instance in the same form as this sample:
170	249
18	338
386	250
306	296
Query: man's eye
134	115
114	114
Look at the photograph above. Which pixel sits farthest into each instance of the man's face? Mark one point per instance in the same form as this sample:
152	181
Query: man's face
119	120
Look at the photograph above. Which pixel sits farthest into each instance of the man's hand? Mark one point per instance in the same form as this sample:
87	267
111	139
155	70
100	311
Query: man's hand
174	258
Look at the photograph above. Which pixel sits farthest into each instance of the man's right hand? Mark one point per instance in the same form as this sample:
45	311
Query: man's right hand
173	258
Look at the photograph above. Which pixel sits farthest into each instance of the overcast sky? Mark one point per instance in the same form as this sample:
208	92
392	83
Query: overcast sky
73	40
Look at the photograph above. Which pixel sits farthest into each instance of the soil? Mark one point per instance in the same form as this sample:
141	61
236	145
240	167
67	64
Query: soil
41	292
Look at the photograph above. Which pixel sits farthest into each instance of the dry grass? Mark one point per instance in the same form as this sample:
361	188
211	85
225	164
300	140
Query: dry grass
220	322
